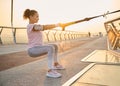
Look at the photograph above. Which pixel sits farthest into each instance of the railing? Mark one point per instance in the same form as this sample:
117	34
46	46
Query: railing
113	31
11	35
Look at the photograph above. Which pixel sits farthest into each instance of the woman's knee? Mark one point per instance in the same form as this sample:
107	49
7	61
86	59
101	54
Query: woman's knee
55	46
51	48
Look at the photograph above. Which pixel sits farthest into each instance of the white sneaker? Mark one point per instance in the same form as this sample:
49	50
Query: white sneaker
53	74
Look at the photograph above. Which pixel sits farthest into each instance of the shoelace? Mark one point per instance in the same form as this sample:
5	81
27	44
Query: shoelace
53	71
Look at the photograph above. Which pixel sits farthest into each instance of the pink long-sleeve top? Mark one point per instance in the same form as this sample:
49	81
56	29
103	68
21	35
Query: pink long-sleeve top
35	38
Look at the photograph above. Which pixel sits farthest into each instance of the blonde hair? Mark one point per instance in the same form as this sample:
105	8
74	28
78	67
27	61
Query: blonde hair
27	13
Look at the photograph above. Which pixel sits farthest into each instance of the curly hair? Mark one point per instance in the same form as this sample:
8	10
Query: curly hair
27	13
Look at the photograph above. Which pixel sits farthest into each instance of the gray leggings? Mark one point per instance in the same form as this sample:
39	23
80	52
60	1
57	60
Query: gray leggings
50	49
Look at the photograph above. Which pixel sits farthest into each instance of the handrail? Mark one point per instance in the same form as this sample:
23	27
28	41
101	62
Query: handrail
19	34
113	33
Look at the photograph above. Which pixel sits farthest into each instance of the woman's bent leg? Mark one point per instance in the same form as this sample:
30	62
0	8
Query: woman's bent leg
55	53
38	50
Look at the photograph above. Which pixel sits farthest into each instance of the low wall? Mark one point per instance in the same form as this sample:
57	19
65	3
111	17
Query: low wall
69	44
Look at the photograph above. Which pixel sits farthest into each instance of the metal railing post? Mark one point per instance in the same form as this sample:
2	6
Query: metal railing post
0	35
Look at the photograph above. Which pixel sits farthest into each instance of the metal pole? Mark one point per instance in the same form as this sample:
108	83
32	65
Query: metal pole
14	40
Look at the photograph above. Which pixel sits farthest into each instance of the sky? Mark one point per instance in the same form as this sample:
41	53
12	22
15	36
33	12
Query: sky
61	11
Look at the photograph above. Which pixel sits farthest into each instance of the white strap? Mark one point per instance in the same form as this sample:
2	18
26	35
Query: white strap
38	27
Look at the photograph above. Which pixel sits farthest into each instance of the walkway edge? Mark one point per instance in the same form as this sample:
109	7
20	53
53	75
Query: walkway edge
74	78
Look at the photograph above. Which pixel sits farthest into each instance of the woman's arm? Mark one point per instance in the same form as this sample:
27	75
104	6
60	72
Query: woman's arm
51	26
45	27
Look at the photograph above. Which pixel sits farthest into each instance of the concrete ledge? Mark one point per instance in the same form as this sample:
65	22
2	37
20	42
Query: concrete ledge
78	75
99	75
102	57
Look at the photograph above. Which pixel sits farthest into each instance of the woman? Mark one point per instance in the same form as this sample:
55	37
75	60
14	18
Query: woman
36	47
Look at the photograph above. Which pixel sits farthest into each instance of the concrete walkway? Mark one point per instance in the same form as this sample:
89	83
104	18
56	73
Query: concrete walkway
33	74
6	49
